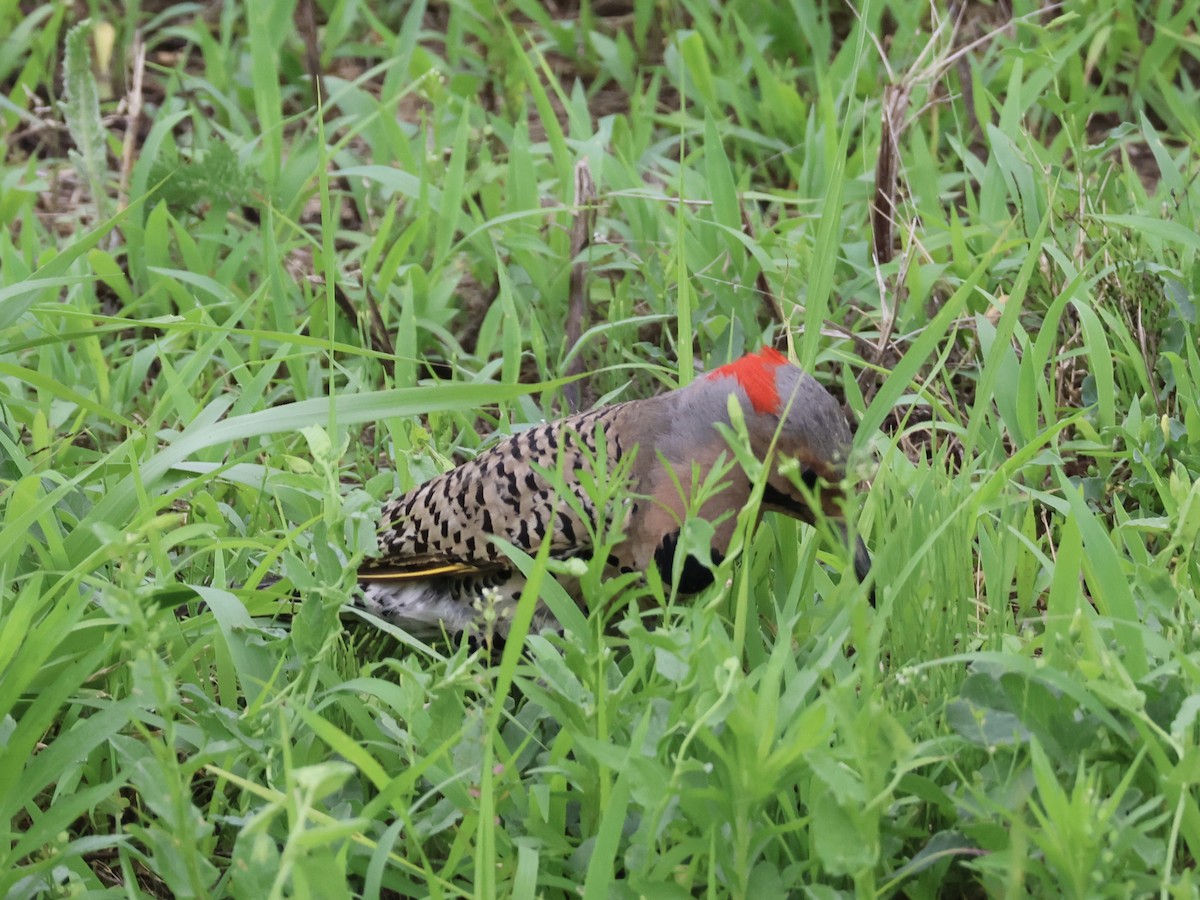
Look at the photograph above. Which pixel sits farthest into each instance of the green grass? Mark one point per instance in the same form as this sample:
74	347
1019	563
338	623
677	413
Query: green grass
310	303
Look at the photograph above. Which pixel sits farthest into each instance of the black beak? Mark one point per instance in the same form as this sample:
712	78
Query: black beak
862	566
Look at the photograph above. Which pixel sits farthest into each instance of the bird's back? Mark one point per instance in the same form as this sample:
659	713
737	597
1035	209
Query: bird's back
505	491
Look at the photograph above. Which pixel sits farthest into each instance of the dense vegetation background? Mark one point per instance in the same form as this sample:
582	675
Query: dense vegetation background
265	263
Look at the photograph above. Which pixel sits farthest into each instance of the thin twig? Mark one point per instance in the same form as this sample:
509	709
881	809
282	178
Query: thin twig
376	333
887	171
132	120
380	338
306	24
1146	359
581	239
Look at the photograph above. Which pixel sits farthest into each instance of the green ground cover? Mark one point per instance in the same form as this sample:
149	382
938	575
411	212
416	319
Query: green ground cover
316	251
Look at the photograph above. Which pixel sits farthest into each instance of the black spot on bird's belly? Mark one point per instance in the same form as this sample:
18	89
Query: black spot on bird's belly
566	528
777	499
694	576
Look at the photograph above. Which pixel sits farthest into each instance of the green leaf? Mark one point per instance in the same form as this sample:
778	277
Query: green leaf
81	110
839	844
1109	584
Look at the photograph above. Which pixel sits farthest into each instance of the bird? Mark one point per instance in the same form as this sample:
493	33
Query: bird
439	561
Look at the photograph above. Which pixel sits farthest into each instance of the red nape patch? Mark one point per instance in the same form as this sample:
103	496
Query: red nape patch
755	372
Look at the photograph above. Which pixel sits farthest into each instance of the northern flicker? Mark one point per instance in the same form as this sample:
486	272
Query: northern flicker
437	556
